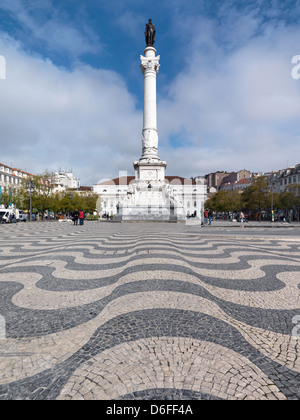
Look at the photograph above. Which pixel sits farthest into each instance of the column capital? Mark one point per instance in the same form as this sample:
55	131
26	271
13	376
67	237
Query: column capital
150	64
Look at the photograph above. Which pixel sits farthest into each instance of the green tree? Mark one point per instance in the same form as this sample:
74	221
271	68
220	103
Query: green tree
7	196
71	200
45	184
257	196
44	198
227	201
289	200
88	202
55	202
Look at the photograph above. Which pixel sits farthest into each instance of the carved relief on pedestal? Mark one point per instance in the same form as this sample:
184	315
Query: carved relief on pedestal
149	142
150	139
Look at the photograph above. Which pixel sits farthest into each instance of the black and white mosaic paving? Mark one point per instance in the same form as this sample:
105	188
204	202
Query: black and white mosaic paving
160	311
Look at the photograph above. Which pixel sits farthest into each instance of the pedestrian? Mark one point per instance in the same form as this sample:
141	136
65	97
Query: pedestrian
205	216
81	217
242	217
75	217
209	217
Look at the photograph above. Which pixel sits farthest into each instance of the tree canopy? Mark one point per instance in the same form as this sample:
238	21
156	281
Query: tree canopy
257	197
44	197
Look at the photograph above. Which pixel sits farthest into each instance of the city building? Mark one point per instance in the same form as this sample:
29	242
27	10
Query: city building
214	180
285	180
64	180
12	177
240	185
228	181
235	177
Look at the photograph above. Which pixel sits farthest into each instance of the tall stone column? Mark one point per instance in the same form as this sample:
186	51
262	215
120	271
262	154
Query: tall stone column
149	196
150	67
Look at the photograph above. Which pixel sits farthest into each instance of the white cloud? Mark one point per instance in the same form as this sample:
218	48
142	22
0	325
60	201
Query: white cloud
51	117
235	108
232	105
44	23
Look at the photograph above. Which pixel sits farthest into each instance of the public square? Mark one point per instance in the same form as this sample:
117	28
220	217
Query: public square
139	311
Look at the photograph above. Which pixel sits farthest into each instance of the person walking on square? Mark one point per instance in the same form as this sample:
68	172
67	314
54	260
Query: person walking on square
209	217
242	217
205	216
75	217
81	217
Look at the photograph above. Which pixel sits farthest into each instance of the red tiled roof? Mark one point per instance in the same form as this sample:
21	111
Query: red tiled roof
244	181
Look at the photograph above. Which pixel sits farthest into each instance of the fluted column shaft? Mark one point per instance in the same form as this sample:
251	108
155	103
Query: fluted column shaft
150	67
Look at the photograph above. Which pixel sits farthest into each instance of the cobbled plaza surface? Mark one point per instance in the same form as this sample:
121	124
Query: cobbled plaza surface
148	311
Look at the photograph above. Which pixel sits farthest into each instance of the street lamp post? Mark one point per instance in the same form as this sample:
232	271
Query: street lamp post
272	207
31	185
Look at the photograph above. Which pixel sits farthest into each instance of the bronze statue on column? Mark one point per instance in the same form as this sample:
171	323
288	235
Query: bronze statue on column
150	32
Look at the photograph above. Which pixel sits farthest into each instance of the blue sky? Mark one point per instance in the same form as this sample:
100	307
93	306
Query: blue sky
73	92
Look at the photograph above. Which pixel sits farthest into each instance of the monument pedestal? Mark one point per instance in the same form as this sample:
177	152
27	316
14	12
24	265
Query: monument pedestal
153	200
150	170
149	197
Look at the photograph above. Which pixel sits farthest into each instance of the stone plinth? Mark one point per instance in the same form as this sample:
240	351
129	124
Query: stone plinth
150	171
153	200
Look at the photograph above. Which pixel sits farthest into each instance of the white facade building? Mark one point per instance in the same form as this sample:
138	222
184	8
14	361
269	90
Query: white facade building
12	177
65	180
287	179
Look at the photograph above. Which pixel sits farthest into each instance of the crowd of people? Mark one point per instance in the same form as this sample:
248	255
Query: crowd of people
208	216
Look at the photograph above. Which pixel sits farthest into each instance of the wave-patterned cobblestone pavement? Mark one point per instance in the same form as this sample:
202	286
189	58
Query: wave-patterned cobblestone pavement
147	311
